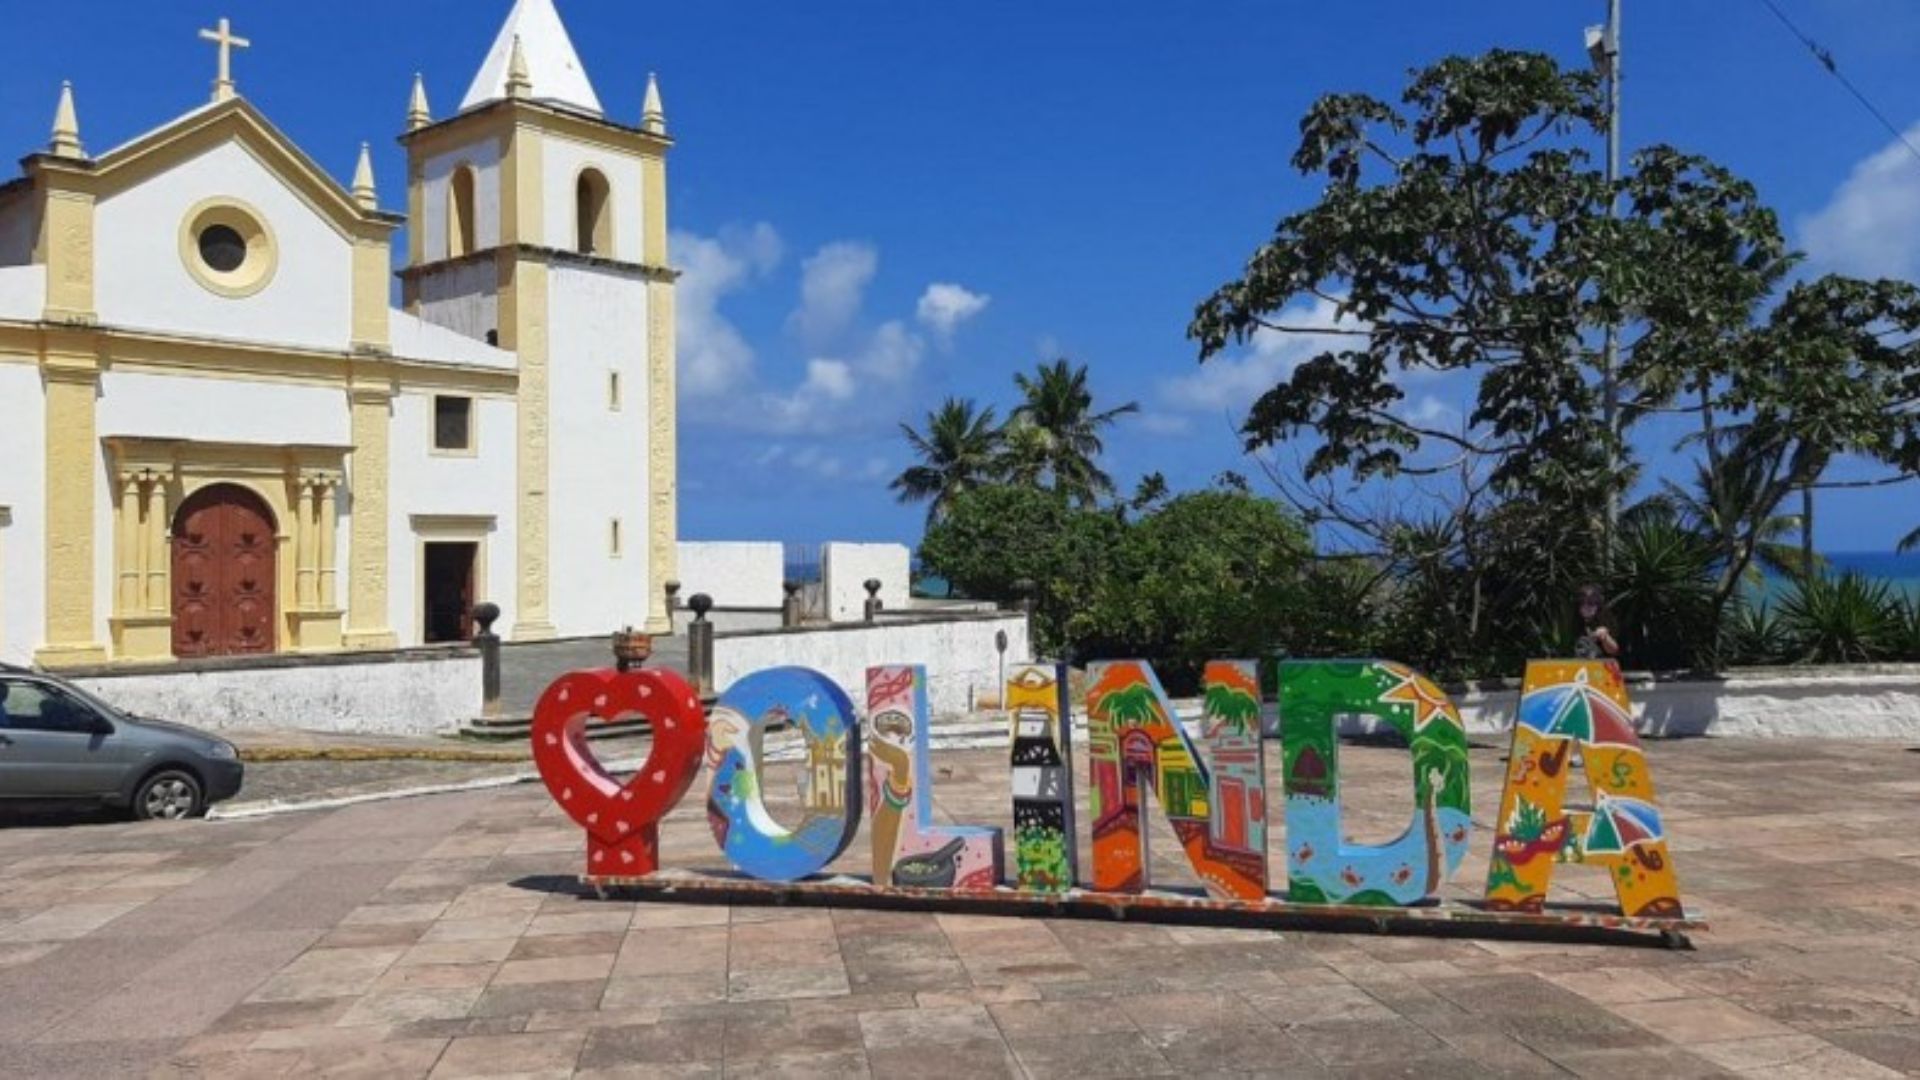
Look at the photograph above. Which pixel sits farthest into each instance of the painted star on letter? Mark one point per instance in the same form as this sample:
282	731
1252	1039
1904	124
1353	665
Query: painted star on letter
1428	700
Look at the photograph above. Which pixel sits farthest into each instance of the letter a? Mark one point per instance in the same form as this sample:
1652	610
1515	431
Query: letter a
1567	705
909	850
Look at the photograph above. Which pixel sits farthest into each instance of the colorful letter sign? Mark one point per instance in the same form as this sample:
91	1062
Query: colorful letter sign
1568	706
908	848
1321	866
818	709
622	821
1045	846
1136	742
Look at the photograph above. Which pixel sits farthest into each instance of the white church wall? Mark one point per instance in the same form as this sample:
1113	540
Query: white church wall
19	227
741	573
221	410
598	324
845	568
437	173
141	280
23	292
563	161
23	501
419	339
480	484
462	300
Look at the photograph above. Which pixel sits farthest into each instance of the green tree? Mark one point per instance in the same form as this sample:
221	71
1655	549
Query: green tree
1054	433
959	451
993	539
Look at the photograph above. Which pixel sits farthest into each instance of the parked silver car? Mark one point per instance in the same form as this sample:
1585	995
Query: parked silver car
58	742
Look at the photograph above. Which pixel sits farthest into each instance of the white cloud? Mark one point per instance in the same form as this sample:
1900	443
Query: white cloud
833	282
1871	226
832	379
893	353
1236	382
1163	423
714	357
944	306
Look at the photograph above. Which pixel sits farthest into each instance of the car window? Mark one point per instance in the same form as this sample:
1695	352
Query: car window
28	706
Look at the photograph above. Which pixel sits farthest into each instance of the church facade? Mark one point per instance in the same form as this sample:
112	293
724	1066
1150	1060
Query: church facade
218	435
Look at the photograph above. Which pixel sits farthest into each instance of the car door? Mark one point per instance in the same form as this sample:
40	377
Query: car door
53	745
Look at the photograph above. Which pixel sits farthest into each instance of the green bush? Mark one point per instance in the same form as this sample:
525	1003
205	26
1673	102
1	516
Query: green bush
1754	634
1840	620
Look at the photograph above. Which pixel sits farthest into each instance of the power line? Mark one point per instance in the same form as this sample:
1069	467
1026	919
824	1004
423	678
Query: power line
1825	57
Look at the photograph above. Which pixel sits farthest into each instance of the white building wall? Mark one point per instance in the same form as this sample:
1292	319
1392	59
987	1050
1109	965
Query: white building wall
23	508
845	568
484	156
140	280
427	483
960	654
597	323
221	410
563	161
23	292
463	299
733	573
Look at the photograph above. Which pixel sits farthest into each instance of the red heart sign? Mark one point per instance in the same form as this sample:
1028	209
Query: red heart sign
622	821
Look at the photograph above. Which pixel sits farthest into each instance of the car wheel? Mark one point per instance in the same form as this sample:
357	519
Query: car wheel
169	795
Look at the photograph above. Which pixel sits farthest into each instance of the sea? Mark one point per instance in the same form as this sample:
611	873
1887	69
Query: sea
1901	571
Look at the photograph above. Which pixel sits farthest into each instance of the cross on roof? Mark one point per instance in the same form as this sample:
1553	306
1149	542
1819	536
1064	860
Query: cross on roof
226	39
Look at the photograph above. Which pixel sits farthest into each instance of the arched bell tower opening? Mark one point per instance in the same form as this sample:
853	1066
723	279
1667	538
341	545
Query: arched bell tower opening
593	214
460	221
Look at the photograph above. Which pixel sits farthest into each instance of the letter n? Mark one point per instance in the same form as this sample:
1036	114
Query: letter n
1136	742
909	850
1321	867
1568	706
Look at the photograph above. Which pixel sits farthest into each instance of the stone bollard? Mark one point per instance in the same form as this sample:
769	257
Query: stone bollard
673	603
874	605
488	643
700	644
790	615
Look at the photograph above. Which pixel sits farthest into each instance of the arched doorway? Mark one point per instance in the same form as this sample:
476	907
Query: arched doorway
223	574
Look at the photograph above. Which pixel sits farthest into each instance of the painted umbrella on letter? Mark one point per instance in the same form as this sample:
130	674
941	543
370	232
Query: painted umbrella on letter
1578	710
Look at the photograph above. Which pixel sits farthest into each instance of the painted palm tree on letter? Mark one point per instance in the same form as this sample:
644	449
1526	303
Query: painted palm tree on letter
1056	432
959	451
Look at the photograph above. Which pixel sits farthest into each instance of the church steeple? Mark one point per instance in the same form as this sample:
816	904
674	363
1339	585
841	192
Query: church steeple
66	127
418	115
533	30
653	115
363	189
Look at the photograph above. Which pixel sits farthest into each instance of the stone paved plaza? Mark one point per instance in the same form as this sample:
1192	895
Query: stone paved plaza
444	936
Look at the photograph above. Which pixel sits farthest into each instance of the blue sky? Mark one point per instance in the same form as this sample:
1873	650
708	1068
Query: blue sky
879	204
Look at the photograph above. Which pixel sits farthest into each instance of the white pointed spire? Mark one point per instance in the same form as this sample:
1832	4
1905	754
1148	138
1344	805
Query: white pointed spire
554	71
418	115
653	115
363	190
519	82
66	126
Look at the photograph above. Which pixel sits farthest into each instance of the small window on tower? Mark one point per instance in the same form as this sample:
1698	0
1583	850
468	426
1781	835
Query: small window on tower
613	538
613	390
460	232
452	423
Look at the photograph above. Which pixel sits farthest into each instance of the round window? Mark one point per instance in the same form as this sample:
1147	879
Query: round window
228	247
223	248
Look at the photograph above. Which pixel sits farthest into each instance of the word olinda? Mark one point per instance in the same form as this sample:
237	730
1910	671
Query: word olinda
1213	790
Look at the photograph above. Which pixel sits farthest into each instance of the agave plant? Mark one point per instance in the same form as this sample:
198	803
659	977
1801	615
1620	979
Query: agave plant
1907	645
1845	619
1663	593
1754	634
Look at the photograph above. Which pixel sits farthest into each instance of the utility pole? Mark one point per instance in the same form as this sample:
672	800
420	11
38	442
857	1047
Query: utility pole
1603	45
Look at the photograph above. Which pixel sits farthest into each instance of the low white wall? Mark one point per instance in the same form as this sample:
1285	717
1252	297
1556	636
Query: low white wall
735	574
423	693
959	654
845	568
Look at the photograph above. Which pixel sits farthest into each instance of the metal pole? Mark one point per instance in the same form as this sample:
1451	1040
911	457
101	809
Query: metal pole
1610	353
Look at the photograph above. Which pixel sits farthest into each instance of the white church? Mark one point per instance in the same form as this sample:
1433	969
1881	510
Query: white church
218	436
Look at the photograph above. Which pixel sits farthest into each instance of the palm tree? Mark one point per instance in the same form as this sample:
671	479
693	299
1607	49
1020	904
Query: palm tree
1055	432
959	451
1910	542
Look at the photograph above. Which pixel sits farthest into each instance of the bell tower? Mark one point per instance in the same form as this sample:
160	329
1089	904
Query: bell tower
539	225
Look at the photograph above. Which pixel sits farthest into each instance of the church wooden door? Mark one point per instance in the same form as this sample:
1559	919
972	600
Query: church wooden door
223	574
